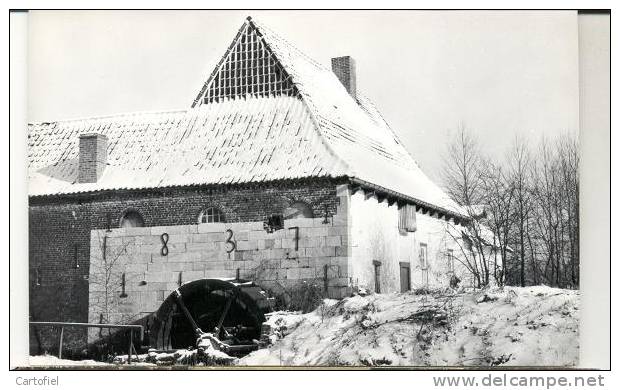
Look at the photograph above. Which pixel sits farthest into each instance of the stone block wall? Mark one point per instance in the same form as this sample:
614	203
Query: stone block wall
306	249
60	237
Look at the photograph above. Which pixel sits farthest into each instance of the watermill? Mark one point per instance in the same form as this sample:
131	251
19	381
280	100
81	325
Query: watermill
230	311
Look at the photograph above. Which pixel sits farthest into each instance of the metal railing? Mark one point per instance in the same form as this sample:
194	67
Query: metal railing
62	326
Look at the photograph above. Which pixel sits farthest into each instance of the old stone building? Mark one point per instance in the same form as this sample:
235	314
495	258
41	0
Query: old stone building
280	172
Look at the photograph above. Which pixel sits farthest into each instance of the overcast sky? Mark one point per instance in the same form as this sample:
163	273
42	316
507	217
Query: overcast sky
499	73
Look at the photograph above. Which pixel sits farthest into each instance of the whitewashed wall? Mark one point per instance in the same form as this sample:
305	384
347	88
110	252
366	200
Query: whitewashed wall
375	236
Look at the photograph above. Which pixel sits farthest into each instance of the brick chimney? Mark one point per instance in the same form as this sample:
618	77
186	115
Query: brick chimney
344	69
93	157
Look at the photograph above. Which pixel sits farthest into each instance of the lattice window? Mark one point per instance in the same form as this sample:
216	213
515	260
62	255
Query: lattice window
211	215
131	218
450	260
298	210
248	68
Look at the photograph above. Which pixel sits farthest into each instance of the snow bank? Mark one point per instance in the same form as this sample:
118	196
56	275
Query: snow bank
511	326
53	361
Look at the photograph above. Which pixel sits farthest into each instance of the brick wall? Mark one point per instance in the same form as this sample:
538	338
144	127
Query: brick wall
60	236
92	157
344	69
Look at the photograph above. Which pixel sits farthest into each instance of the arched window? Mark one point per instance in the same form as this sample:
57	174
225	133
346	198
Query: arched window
298	210
211	215
131	218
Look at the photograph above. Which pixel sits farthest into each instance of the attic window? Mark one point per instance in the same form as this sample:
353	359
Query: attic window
131	218
211	215
249	68
298	210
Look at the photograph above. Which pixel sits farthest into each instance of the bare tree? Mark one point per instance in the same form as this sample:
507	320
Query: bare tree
499	196
568	154
106	272
520	172
461	172
463	179
556	196
523	212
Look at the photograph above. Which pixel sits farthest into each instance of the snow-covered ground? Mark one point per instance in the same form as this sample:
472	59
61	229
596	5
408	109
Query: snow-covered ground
530	326
53	361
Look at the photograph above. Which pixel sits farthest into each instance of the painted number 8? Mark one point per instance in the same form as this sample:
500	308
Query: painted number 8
164	240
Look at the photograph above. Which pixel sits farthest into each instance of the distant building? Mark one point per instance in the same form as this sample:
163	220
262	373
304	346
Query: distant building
281	171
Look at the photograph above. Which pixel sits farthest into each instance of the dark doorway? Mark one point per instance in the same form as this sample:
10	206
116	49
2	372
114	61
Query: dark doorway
405	277
377	265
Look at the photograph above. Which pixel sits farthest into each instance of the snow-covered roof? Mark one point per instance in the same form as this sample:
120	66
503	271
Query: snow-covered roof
301	123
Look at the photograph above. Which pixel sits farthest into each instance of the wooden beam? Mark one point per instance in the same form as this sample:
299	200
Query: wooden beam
381	197
354	189
368	194
391	201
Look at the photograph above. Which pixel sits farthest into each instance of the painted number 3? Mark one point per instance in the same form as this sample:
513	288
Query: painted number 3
164	240
229	240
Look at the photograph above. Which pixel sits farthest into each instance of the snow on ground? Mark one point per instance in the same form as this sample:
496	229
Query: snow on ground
529	326
53	361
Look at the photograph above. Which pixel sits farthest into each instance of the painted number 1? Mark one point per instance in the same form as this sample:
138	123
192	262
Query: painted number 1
296	228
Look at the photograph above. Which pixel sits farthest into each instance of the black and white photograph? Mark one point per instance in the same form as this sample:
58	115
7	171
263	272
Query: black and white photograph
308	189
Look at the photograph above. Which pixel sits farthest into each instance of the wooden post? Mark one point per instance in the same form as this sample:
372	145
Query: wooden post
62	331
189	317
130	345
325	281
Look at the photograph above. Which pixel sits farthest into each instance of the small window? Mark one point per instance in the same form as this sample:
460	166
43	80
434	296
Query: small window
274	222
450	260
423	256
377	265
131	218
211	215
298	210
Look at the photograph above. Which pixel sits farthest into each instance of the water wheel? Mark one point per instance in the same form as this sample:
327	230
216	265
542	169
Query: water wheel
232	310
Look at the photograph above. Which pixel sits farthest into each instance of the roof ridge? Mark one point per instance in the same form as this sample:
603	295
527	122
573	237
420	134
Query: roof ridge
313	115
298	51
218	63
116	115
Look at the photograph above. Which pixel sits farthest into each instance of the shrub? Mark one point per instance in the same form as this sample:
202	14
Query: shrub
304	296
